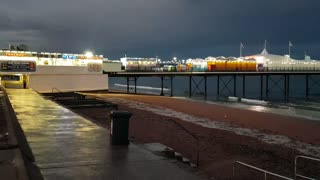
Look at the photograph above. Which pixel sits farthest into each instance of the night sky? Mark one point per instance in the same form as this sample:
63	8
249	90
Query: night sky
163	28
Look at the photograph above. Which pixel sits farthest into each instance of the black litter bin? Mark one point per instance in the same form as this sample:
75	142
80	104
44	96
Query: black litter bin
119	129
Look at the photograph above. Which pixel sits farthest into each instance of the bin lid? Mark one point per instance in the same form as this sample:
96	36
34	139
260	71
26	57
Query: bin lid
121	114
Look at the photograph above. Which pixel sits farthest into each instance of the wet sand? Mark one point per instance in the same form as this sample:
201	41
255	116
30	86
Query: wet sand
219	147
295	128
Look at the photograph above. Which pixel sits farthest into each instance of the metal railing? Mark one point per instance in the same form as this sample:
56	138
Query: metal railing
56	90
295	167
260	170
195	137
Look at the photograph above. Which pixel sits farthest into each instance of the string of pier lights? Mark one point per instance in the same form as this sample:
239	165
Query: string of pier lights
173	61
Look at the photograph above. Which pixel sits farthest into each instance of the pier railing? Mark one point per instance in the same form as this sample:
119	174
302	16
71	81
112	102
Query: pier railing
295	166
56	90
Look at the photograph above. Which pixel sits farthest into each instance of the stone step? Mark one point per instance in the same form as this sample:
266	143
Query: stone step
168	152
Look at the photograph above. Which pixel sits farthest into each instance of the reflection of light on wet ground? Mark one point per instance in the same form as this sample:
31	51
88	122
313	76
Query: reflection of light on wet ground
258	108
38	113
253	101
310	114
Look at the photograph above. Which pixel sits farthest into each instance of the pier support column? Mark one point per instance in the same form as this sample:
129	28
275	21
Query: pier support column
135	85
285	87
261	87
171	85
128	90
243	86
218	86
234	85
205	87
161	93
267	86
190	85
288	86
307	86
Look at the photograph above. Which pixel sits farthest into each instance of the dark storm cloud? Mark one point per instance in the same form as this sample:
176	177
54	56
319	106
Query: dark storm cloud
164	28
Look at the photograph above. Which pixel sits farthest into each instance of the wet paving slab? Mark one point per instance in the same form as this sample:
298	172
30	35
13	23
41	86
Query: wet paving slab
67	146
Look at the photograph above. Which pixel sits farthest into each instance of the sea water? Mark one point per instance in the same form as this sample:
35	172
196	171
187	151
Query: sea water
296	106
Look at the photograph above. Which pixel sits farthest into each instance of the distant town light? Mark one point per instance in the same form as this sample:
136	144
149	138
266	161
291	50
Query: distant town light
89	54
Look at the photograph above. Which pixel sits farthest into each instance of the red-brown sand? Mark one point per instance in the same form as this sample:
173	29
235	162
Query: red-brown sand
218	148
294	128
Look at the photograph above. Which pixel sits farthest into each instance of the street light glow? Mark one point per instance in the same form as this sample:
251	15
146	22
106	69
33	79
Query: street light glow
89	54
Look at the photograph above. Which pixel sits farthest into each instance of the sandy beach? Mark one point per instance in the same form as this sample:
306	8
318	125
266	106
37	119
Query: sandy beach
268	141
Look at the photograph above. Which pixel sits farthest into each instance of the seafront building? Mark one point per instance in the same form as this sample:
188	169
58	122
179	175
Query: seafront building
52	71
272	62
138	63
112	66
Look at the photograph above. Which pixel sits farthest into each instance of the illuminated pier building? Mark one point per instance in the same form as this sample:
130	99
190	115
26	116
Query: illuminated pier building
52	71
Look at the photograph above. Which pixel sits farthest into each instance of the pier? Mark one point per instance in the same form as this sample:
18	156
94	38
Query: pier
227	81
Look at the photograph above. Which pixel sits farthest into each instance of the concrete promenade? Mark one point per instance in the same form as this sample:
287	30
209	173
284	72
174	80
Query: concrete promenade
67	146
